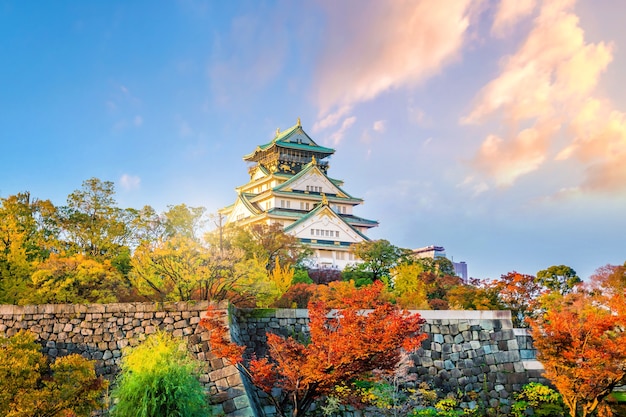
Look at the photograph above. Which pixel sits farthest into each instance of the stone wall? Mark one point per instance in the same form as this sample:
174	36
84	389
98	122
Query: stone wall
466	351
475	352
101	332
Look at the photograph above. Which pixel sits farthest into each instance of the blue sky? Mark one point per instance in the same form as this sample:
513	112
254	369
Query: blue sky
496	129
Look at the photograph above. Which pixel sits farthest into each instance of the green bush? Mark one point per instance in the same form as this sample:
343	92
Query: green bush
29	386
159	379
543	400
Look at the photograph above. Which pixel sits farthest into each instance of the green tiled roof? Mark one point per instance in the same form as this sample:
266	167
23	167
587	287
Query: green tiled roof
282	140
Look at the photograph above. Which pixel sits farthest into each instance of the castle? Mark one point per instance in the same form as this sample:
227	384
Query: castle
289	185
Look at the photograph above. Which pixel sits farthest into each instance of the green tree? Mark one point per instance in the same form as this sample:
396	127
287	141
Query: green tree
159	379
184	221
92	223
378	256
559	278
31	388
439	266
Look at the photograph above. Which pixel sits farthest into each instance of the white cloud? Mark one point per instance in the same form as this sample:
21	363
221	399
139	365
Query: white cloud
379	126
337	136
130	182
138	121
331	120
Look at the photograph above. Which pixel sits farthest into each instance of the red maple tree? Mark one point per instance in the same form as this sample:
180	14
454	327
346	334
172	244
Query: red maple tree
345	345
581	343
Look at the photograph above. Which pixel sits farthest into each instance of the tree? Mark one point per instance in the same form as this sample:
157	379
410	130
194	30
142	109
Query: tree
476	295
439	266
29	387
344	346
76	279
92	222
518	293
407	287
184	221
159	379
169	269
582	346
559	278
378	256
23	241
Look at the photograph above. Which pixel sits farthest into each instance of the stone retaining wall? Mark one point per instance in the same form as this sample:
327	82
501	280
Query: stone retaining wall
466	351
475	352
101	332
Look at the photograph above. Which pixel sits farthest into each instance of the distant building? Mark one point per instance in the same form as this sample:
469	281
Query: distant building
434	252
289	185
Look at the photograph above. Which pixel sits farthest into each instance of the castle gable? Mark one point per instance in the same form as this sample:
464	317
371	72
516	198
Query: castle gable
323	224
312	180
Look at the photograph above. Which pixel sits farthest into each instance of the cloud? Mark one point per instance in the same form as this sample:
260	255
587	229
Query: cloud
505	161
509	13
379	126
130	182
541	94
337	136
331	119
600	145
379	46
138	121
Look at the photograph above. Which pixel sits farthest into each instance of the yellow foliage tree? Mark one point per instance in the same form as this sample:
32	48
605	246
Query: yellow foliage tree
408	289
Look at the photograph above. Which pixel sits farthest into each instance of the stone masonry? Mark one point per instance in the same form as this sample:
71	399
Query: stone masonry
475	352
101	332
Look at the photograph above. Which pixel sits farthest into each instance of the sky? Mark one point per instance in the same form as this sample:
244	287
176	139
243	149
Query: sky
496	129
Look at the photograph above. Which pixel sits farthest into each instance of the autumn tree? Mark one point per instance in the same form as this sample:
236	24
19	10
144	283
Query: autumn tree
518	293
560	278
30	387
75	279
475	295
24	240
344	345
407	287
581	343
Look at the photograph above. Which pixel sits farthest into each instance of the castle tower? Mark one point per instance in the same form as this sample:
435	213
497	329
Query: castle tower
289	185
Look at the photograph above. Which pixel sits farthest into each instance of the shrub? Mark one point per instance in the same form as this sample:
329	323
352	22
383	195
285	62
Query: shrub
158	379
543	400
29	387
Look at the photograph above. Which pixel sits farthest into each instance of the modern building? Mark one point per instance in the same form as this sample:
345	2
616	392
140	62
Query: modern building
434	252
289	184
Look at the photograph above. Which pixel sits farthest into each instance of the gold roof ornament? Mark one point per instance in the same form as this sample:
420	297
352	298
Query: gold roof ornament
299	124
324	199
277	131
313	160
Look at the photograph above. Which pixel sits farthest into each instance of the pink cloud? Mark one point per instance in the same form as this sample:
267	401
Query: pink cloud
378	46
545	95
509	12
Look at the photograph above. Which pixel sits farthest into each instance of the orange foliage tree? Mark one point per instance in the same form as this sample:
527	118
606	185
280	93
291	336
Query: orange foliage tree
345	345
518	293
581	343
